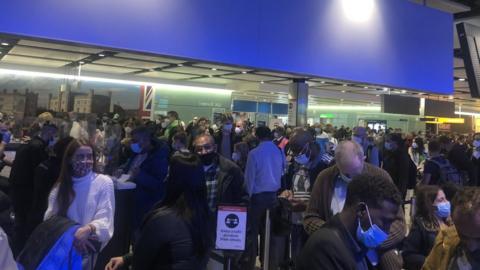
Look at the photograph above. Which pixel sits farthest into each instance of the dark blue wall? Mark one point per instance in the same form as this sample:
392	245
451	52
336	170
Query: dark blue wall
403	45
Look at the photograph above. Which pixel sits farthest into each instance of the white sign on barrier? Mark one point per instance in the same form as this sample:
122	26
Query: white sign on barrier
231	227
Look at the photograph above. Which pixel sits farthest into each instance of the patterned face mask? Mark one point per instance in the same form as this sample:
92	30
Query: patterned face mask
82	168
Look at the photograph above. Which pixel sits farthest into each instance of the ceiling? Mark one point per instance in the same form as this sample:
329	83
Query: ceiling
247	83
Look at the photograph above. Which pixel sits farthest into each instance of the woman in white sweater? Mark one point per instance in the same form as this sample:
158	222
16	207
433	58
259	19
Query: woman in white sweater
86	198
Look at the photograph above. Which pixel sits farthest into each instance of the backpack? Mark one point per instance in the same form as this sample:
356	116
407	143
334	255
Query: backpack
448	173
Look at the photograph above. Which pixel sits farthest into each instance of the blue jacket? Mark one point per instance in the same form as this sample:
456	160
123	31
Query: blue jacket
51	247
150	180
63	256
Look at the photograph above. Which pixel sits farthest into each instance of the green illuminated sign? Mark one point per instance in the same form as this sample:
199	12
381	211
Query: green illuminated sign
327	115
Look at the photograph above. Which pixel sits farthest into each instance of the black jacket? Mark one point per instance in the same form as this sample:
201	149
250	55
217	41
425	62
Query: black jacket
42	240
417	245
397	165
332	247
230	183
166	243
46	174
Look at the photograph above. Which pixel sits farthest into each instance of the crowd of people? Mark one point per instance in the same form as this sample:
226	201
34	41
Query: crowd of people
336	195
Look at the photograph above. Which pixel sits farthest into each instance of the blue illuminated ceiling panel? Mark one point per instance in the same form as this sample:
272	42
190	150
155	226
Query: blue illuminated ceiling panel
395	42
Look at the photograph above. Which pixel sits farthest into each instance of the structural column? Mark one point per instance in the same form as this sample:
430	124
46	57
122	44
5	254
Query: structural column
298	103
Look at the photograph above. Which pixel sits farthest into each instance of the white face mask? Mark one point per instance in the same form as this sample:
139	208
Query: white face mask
414	145
235	156
164	124
238	130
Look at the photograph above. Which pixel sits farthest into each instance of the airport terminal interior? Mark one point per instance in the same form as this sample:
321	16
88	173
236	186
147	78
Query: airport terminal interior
335	134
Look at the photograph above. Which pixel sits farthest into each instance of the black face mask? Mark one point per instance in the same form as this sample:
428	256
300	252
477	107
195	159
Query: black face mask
207	159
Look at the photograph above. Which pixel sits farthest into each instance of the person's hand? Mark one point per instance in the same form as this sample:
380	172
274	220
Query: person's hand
118	173
115	263
81	242
287	194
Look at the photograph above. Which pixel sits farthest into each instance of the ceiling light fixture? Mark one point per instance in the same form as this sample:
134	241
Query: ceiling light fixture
244	72
5	44
262	82
163	86
82	62
385	89
468	113
322	82
214	69
345	108
358	10
377	95
404	91
365	87
462	79
343	91
450	97
180	65
345	85
101	55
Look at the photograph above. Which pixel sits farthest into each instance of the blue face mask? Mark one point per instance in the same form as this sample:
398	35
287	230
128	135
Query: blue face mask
373	237
443	210
136	148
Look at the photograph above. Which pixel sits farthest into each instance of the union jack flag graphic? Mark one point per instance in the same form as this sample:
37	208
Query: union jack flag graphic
146	101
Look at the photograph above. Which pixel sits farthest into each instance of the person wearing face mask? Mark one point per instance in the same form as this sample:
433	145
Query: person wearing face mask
27	158
397	162
458	247
432	215
240	154
224	180
86	198
372	154
349	240
171	125
147	168
329	194
417	151
300	179
279	138
226	137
